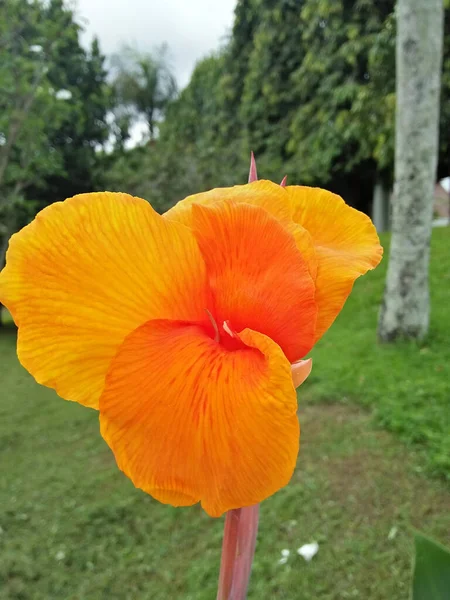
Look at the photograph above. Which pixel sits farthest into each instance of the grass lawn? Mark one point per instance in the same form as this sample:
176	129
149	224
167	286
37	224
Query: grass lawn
406	385
72	527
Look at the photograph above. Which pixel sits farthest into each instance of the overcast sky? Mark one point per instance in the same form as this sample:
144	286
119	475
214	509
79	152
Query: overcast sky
191	28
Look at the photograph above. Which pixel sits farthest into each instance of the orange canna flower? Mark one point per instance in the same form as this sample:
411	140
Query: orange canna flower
187	330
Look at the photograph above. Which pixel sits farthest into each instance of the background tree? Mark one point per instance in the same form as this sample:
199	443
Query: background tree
269	99
299	96
405	310
309	85
29	106
143	85
53	104
334	130
85	127
27	99
194	134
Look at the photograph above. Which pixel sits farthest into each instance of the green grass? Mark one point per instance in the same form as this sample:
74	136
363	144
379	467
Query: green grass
407	385
72	527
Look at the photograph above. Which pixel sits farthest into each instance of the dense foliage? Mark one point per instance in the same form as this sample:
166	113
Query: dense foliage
54	100
308	85
53	104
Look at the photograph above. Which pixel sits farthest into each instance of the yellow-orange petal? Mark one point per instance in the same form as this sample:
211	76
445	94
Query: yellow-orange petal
190	421
84	274
346	245
258	278
264	194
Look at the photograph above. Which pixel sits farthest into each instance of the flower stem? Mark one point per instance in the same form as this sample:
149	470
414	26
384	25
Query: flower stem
238	548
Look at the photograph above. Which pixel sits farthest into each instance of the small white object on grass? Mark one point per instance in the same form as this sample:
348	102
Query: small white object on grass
308	550
284	556
392	533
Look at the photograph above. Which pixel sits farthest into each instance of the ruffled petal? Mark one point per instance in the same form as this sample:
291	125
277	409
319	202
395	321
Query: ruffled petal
258	278
264	194
189	420
346	245
84	274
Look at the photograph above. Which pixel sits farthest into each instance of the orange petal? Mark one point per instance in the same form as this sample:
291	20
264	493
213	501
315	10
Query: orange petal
346	245
84	274
257	276
301	371
262	193
190	421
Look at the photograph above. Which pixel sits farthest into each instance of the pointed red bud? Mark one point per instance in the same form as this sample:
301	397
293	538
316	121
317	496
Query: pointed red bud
252	175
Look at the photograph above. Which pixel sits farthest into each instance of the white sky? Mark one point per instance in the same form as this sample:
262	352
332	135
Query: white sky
191	28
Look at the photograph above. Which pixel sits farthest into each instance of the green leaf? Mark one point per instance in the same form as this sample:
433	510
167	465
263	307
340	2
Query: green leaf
431	580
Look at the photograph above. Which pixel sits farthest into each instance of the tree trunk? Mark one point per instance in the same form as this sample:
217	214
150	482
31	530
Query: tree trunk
380	206
405	309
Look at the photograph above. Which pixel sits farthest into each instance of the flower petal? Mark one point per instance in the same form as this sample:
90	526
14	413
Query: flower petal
346	245
190	421
265	194
258	277
301	371
84	274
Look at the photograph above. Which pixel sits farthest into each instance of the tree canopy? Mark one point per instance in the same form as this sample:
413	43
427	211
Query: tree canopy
308	85
53	104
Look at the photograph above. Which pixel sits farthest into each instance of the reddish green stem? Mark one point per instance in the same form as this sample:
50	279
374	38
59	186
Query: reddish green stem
238	548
